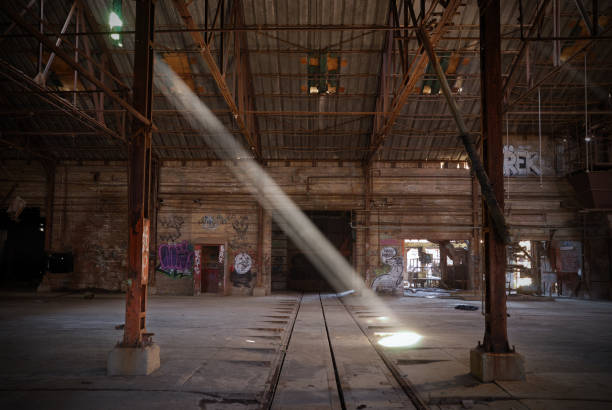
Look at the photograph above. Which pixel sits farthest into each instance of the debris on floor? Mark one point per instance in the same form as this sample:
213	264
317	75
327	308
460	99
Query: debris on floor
466	307
429	293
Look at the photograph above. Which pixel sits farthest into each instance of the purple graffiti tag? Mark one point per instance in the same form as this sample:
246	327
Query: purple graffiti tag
176	257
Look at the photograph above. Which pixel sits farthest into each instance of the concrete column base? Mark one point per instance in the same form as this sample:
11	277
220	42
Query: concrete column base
488	367
259	291
133	361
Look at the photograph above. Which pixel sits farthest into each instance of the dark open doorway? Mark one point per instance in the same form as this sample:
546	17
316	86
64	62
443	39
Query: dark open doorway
22	253
292	269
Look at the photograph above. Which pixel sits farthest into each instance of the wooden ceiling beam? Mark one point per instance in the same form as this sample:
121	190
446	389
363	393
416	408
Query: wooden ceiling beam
219	78
411	78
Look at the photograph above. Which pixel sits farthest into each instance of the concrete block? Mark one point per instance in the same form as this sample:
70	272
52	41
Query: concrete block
488	367
259	291
133	361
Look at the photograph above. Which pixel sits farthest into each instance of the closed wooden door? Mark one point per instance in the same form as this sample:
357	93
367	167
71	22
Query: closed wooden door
211	269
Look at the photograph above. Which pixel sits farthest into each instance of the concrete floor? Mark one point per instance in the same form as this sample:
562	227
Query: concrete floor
221	353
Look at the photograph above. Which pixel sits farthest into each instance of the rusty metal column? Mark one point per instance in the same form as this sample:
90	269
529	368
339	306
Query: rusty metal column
493	360
495	337
475	271
153	208
139	179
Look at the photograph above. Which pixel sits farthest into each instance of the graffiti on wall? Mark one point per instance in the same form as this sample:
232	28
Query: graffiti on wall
197	270
520	161
241	275
391	277
240	226
171	228
212	222
176	259
221	254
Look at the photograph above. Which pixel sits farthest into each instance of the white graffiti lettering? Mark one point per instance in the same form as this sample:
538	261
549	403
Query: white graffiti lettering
520	162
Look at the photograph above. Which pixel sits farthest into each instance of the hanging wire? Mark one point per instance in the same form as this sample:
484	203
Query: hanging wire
507	150
586	115
540	134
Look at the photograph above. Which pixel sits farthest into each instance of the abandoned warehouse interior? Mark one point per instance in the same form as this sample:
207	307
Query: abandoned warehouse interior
311	177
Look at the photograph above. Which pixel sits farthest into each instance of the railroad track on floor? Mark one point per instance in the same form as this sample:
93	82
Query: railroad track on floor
273	379
406	386
272	399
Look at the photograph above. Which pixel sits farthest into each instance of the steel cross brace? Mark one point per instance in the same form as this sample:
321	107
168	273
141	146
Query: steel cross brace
70	61
182	7
411	78
41	78
21	79
495	211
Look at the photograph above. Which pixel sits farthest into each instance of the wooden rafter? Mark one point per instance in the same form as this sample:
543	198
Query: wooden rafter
511	77
411	77
245	129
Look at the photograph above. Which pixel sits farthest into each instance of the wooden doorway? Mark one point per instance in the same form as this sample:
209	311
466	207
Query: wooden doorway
211	275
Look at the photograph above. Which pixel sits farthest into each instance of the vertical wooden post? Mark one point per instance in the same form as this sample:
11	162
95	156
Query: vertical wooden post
495	337
260	238
443	264
139	172
197	270
367	171
153	208
535	266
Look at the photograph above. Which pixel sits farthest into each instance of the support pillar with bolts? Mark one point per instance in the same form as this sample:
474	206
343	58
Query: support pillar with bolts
136	354
493	359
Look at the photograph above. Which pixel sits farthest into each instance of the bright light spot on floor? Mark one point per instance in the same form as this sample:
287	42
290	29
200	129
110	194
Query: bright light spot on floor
402	339
250	341
383	318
